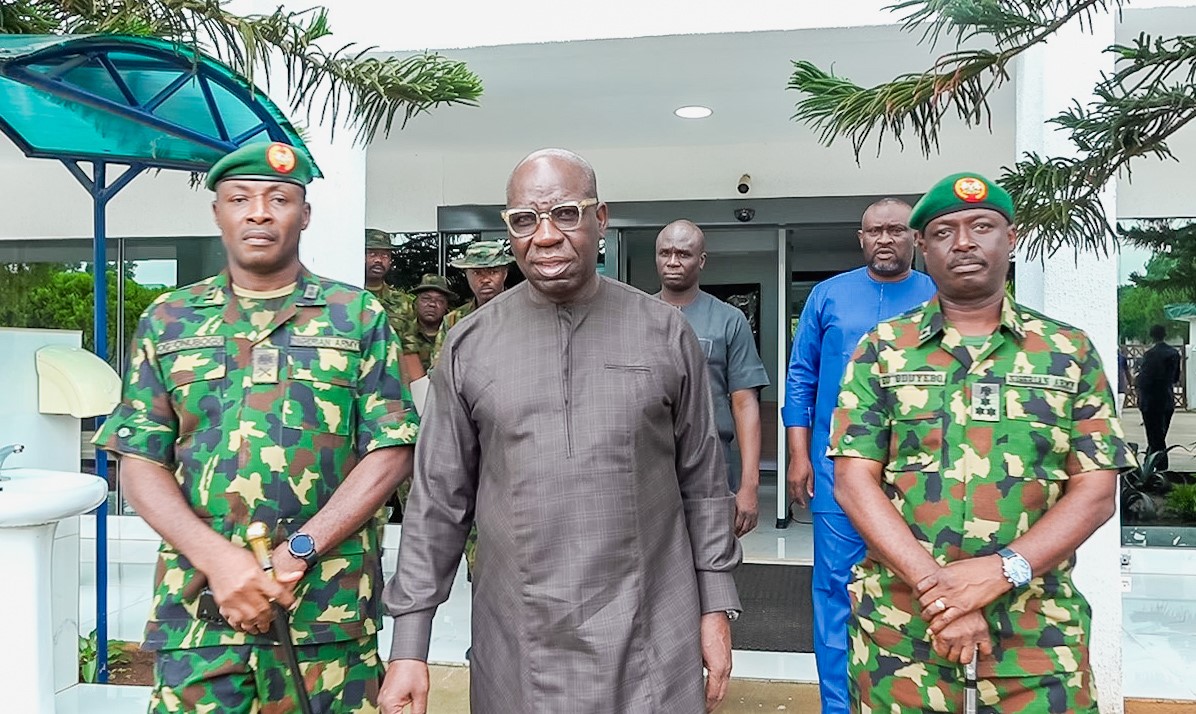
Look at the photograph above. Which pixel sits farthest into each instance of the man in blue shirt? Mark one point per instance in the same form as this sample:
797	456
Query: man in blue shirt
837	314
736	373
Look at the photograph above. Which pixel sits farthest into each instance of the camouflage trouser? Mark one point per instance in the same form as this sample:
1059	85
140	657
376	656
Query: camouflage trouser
471	551
341	678
882	681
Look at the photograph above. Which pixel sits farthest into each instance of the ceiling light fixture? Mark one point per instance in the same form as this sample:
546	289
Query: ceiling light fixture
693	112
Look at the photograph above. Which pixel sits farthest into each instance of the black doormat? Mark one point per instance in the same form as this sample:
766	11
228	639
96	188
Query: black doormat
778	611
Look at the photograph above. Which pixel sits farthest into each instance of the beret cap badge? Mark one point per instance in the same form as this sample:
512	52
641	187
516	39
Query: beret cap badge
281	158
971	189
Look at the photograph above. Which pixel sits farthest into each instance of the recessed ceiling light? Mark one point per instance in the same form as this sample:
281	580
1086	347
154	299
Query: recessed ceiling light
693	112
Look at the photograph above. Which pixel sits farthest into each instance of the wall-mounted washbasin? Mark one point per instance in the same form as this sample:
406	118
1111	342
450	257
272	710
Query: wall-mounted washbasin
30	497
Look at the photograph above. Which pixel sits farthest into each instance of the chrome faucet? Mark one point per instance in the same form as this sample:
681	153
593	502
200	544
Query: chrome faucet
6	451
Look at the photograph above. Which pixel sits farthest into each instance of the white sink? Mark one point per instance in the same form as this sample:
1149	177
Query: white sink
31	497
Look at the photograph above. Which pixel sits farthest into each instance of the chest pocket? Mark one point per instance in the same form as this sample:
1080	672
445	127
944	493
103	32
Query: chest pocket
916	441
1037	431
322	377
193	369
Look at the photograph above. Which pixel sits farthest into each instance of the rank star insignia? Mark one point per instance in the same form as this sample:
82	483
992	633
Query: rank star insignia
970	189
984	401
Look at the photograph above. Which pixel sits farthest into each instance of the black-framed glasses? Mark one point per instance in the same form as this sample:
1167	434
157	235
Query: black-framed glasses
522	222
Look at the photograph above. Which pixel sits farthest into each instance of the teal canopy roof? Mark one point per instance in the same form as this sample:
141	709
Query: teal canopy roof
1180	311
130	100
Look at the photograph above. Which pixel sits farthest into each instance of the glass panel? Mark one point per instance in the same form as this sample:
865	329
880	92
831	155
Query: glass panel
415	255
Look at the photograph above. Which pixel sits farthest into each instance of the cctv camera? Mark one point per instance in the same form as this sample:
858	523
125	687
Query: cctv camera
743	215
744	185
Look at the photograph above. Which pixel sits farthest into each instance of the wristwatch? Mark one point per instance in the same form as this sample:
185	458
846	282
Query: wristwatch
303	547
732	615
1016	568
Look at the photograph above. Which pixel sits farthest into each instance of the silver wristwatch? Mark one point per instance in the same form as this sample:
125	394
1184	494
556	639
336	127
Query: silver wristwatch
732	615
1017	569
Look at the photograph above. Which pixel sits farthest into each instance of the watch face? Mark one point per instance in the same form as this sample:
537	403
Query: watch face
302	544
1019	570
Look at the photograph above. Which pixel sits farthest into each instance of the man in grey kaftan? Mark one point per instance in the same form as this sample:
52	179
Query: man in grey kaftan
572	421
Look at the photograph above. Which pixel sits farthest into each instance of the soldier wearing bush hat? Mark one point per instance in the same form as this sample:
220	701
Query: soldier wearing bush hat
960	425
263	394
485	264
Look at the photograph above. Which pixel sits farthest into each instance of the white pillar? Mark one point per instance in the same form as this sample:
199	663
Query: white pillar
333	246
1081	291
334	243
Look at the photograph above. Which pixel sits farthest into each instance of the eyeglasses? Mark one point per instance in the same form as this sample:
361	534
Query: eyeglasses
522	222
895	230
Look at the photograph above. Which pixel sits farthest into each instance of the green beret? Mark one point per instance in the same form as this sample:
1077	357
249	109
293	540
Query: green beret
431	281
377	240
959	192
264	162
484	254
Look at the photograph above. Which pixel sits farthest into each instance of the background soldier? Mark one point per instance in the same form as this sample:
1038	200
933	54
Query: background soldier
837	314
378	261
736	372
266	394
976	448
432	298
485	264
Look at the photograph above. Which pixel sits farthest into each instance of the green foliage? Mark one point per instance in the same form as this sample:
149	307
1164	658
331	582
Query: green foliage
368	91
1136	110
1137	309
54	296
1171	272
1181	501
89	656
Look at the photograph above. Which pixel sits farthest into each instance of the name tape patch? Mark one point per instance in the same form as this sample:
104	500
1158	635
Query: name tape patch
1043	381
346	344
189	343
913	379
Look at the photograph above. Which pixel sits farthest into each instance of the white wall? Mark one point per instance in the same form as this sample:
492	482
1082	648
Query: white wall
403	190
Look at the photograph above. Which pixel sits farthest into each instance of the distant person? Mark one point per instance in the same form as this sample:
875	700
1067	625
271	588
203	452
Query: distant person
378	261
432	298
736	372
837	314
485	264
1157	377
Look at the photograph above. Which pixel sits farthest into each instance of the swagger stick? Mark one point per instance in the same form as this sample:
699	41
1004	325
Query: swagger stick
969	684
258	536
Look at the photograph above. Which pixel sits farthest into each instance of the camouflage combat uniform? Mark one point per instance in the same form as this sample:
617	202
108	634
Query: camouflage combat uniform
399	306
261	408
978	441
414	341
451	318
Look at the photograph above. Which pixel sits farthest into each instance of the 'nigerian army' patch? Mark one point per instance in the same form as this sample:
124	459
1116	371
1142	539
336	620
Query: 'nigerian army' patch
1043	381
189	343
346	344
913	379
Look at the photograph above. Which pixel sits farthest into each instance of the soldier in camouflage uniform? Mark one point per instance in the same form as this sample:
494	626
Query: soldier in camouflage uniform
961	425
265	393
432	298
378	260
485	264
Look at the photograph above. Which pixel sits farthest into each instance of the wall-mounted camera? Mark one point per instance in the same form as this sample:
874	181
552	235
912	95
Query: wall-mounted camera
744	185
744	215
